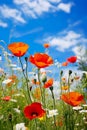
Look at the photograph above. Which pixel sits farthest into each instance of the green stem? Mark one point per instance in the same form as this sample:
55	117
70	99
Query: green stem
36	124
69	118
53	99
25	94
40	84
54	106
26	78
22	67
61	84
44	98
11	125
26	68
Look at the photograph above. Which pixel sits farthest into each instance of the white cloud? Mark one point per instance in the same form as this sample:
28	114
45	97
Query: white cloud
34	1
80	51
17	34
36	8
9	13
65	7
66	40
3	24
57	90
55	1
71	25
31	9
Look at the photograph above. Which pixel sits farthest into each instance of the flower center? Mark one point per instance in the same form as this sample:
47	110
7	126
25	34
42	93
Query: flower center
34	114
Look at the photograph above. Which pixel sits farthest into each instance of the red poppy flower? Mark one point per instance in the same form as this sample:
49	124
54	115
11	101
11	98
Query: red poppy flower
63	79
72	59
34	110
76	77
41	60
6	98
13	77
46	45
13	80
49	83
34	81
73	98
18	48
65	63
65	87
37	93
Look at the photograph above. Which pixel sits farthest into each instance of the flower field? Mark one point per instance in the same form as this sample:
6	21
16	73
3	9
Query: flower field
29	98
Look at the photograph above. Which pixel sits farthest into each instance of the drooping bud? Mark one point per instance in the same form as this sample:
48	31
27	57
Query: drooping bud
26	58
10	117
61	72
51	88
70	72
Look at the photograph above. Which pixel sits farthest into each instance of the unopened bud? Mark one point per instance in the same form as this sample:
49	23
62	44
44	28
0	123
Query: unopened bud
10	117
70	72
44	78
61	72
51	88
26	58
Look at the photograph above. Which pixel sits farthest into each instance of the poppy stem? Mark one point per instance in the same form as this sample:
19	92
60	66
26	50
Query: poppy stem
36	124
26	67
26	78
53	99
44	93
11	125
69	118
22	67
10	119
61	85
54	106
40	84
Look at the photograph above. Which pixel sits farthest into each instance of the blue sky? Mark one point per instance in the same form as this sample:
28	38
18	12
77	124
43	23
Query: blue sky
61	23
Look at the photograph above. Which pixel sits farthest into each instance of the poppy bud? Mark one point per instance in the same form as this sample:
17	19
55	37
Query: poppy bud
70	72
10	117
51	88
35	81
12	56
26	58
44	78
30	88
61	72
18	107
72	80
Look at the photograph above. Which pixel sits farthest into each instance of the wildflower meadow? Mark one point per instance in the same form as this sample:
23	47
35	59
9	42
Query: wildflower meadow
33	98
